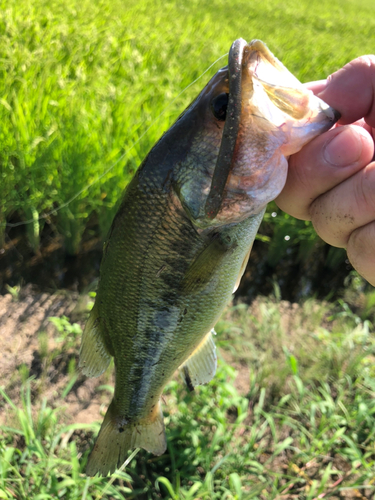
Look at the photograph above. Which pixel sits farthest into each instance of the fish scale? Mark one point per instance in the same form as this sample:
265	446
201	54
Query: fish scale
180	241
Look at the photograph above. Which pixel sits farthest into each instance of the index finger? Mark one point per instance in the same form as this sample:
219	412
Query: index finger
318	86
351	90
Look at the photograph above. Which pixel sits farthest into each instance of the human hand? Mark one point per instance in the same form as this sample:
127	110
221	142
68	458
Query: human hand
331	181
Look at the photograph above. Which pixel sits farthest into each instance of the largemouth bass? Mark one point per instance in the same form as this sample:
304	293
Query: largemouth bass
182	236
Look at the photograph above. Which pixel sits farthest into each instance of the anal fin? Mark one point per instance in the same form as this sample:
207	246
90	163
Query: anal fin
201	365
202	269
94	357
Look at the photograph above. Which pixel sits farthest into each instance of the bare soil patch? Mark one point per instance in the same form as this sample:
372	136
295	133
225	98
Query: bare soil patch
32	345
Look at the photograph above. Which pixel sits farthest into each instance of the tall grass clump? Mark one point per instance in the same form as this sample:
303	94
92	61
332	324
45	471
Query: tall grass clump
81	81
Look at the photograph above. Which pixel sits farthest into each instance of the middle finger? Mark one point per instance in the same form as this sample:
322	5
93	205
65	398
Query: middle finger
346	207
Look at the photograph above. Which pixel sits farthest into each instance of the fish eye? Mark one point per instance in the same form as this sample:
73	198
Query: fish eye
219	106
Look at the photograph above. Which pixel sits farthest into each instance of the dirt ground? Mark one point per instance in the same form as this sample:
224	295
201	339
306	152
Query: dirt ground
30	344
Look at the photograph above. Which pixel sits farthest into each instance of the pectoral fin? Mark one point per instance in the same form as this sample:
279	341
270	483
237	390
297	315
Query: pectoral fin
206	263
94	357
200	367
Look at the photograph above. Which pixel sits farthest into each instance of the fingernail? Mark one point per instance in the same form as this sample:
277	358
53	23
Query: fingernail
345	148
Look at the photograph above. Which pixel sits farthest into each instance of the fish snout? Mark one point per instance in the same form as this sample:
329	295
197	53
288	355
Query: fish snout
332	114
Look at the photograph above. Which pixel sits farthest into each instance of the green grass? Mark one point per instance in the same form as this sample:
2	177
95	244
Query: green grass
301	424
81	81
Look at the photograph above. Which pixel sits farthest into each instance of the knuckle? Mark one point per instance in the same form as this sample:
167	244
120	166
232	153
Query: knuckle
360	251
327	222
366	61
365	194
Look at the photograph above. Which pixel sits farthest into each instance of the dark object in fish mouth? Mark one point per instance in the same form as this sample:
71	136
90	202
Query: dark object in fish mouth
230	132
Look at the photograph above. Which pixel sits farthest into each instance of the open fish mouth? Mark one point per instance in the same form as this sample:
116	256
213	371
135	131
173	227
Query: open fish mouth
283	89
269	111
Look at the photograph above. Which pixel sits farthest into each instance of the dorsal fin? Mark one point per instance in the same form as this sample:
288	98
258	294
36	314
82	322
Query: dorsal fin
94	357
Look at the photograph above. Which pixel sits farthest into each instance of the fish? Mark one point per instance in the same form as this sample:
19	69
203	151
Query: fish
181	239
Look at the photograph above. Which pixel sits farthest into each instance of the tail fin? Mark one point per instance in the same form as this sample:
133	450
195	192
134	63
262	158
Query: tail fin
115	440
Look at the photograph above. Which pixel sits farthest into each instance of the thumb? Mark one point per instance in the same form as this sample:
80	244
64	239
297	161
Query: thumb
321	165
